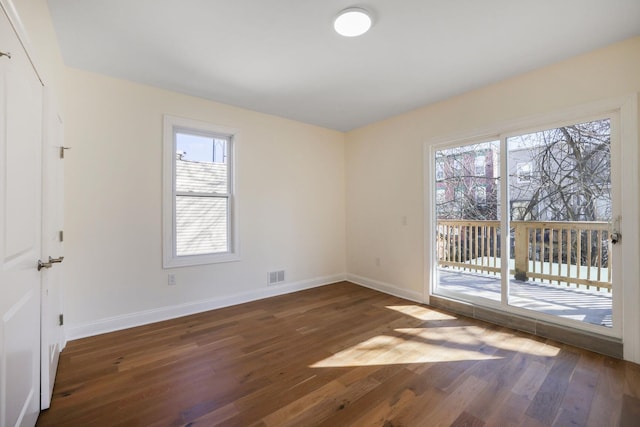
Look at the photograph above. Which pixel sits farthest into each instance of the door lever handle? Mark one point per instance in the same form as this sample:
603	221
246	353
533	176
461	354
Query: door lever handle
49	264
42	265
615	237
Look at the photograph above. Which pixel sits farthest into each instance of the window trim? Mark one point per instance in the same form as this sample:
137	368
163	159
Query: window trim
171	124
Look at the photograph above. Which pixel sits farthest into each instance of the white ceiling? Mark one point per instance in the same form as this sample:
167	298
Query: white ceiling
282	57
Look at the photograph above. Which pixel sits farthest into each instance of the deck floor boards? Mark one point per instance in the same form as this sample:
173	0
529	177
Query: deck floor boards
581	304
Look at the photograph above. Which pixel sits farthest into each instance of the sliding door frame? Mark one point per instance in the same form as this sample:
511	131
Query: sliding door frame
623	112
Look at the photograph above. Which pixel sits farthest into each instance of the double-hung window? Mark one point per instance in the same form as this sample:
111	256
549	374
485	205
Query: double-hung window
198	197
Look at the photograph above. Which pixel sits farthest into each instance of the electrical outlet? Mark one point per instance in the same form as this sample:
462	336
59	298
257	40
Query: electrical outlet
171	280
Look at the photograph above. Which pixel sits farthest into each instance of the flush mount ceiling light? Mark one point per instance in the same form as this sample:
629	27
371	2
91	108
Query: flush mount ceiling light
352	22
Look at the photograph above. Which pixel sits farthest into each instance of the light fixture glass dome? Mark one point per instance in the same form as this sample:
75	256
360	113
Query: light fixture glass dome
352	22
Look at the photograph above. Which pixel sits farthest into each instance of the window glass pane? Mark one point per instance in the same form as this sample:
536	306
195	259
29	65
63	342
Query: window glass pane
560	189
480	165
201	225
468	227
467	182
523	172
201	164
563	173
481	195
439	171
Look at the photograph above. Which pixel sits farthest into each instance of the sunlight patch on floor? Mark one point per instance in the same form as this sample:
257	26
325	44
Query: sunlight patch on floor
421	313
434	342
392	350
476	336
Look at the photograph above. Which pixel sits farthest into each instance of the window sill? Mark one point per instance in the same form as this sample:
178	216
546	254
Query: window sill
191	260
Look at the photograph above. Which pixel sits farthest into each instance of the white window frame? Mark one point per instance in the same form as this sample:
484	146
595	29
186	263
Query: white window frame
172	125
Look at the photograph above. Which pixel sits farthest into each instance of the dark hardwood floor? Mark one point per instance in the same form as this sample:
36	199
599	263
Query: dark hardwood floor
338	355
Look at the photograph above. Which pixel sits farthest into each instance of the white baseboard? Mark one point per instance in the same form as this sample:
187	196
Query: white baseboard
140	318
386	288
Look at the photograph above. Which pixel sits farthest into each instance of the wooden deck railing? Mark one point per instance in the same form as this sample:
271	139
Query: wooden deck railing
571	253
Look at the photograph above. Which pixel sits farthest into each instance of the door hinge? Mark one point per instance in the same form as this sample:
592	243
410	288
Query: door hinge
61	235
61	319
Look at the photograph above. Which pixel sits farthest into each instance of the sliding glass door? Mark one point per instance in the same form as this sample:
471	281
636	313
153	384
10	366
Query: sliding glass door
526	222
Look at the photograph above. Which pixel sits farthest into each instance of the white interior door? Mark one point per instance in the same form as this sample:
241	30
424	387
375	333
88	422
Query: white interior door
20	231
52	246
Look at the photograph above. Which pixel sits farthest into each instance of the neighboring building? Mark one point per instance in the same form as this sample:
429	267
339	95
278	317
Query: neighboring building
466	182
558	174
201	222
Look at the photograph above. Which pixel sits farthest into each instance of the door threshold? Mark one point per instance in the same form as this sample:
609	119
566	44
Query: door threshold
588	340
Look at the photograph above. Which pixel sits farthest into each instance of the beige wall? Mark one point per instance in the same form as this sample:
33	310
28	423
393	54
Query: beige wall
384	161
290	200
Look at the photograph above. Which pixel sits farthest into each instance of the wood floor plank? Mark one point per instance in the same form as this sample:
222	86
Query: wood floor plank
606	406
419	411
632	380
402	402
575	407
454	404
467	420
630	415
510	411
547	400
337	355
392	382
531	379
